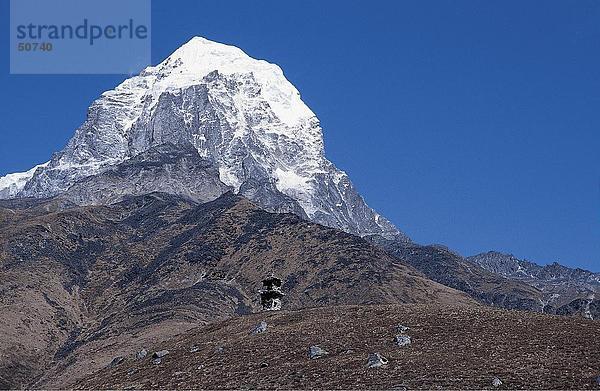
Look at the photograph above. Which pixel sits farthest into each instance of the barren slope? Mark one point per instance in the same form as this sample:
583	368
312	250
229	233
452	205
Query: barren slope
85	283
452	348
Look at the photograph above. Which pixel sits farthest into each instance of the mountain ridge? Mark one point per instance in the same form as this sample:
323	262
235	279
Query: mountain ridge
580	287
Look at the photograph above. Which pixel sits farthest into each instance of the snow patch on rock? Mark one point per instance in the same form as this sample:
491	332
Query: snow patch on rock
11	184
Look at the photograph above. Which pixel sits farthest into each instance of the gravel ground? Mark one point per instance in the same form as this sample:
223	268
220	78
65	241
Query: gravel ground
451	348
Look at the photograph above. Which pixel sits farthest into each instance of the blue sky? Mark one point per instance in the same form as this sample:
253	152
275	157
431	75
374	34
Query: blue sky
467	123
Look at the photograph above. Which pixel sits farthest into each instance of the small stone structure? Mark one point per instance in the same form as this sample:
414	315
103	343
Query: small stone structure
271	295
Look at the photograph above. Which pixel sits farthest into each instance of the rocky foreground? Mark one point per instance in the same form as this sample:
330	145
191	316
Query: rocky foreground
443	347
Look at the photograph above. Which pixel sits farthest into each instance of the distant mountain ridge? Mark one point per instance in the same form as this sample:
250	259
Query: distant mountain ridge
559	283
507	265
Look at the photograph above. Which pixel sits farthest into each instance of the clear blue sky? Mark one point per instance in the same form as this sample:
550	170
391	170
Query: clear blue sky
473	124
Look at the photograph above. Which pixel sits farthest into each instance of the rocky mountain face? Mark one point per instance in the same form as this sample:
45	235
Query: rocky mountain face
568	290
82	284
240	114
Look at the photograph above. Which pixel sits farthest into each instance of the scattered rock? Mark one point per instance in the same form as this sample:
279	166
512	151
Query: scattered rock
496	382
376	360
260	328
194	349
201	366
402	329
116	361
160	354
402	340
316	351
141	354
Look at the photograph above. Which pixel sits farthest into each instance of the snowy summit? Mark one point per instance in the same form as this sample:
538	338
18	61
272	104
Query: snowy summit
238	112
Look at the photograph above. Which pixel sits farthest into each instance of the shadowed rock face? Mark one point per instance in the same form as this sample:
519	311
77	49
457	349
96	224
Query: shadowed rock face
80	283
168	168
173	169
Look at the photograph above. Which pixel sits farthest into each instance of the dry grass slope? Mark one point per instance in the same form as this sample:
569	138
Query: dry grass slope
452	348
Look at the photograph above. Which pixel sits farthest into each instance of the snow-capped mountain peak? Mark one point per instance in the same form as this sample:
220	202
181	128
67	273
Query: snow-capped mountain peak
238	112
200	56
